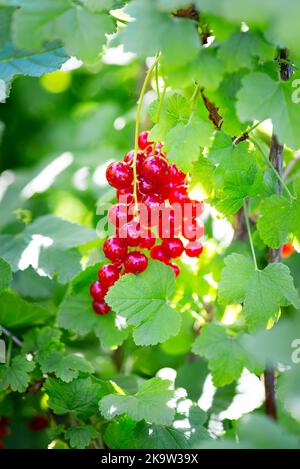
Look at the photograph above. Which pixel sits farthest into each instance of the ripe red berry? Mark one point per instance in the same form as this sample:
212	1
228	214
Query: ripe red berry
119	175
192	231
2	445
287	250
143	140
101	307
155	169
179	195
140	157
146	187
119	214
125	196
152	201
3	426
115	249
97	290
173	247
169	223
38	423
159	254
135	262
176	175
175	268
130	233
147	239
194	249
108	274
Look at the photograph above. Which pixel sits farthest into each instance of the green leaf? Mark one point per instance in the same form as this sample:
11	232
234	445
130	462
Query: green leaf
260	432
176	38
202	175
81	31
51	239
208	69
288	391
80	437
238	185
149	403
234	279
17	313
261	291
144	301
81	396
228	155
185	378
76	314
183	142
247	47
175	109
126	433
226	357
266	292
65	367
66	264
16	375
15	62
5	275
262	98
98	5
5	20
275	231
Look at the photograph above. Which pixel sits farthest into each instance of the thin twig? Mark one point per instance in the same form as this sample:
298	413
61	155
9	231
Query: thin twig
10	335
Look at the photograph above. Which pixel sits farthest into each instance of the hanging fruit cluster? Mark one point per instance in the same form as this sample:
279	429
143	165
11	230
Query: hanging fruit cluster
153	202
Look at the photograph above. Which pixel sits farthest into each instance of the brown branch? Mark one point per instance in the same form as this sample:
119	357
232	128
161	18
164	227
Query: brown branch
214	115
276	158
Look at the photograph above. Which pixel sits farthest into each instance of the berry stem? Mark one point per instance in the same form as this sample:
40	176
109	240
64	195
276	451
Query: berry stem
137	124
159	108
250	234
280	179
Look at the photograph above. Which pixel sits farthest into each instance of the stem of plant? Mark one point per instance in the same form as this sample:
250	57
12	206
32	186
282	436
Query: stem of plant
159	108
280	179
194	100
9	350
137	124
250	234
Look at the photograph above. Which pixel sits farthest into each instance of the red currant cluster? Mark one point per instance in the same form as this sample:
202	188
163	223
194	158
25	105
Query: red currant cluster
153	202
3	430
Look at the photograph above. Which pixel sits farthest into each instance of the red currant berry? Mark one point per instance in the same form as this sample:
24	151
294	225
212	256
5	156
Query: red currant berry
115	249
97	291
108	274
101	307
173	247
38	423
287	250
155	169
175	268
147	239
152	201
135	262
194	249
165	189
159	254
3	426
130	233
169	223
119	214
140	157
125	196
119	175
179	195
146	187
197	208
192	231
143	140
176	175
